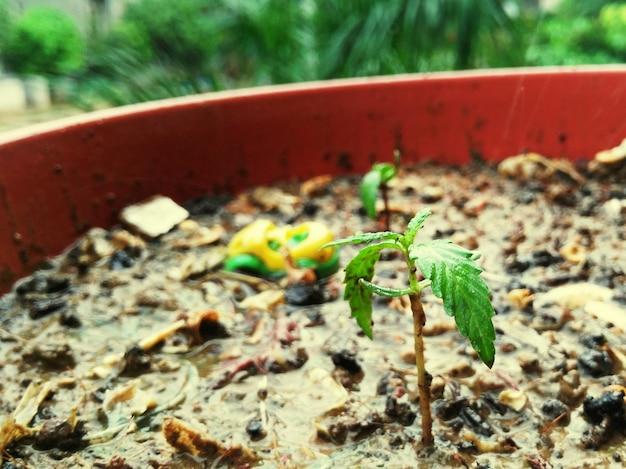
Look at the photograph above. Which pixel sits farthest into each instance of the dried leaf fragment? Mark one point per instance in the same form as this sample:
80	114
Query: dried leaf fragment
514	398
200	236
205	325
123	239
574	295
323	388
612	155
188	439
574	252
63	433
501	445
615	388
265	301
201	325
619	359
16	426
153	339
533	166
315	186
195	264
94	245
520	298
135	401
272	198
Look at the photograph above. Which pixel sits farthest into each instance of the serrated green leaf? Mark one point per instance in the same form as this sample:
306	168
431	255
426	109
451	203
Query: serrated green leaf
385	291
360	237
369	191
455	278
416	224
357	295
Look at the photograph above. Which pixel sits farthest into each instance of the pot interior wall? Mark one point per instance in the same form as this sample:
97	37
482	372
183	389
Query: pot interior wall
59	179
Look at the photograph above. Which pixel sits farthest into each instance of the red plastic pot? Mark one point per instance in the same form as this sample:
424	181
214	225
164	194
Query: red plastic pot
59	179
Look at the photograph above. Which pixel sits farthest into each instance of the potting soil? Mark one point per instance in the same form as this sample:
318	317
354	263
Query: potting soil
129	352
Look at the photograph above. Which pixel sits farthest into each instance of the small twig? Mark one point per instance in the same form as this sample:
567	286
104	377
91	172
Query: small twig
384	190
403	371
13	336
507	379
255	282
550	425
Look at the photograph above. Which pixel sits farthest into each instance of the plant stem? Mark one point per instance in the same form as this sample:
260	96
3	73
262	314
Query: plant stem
384	189
423	378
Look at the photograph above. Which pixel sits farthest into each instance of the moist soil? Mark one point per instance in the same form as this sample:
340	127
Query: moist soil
133	353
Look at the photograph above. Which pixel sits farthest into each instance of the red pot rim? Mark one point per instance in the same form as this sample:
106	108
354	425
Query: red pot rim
59	178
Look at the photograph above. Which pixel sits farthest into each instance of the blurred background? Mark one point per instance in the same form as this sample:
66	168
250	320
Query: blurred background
60	57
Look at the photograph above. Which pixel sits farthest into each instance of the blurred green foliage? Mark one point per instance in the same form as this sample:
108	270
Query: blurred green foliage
44	41
5	25
199	45
156	52
590	32
361	37
612	20
163	48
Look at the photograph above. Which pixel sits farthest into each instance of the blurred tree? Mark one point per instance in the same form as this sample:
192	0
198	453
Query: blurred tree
364	37
578	34
200	45
612	19
5	26
573	8
204	45
185	32
44	41
268	41
101	17
160	49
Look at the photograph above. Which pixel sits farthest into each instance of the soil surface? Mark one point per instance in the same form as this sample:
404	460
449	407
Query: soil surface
133	353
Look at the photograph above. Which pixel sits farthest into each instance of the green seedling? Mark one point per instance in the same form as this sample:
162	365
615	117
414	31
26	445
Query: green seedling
376	181
449	270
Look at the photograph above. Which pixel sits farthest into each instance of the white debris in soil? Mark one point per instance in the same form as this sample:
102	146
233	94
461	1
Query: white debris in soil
608	312
154	217
612	155
574	295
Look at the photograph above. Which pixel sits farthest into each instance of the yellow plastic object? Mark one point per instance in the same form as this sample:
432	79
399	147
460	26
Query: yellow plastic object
263	240
304	241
